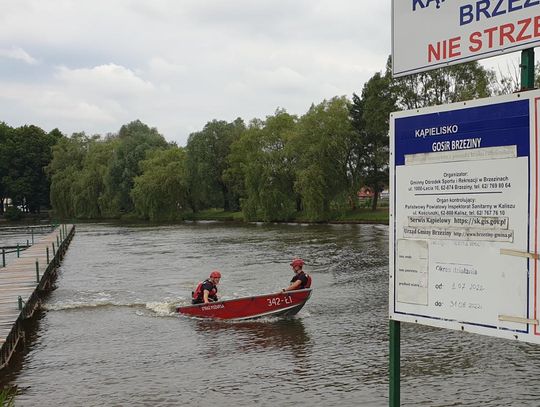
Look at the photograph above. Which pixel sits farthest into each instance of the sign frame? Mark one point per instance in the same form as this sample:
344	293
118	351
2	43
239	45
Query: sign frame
430	34
510	240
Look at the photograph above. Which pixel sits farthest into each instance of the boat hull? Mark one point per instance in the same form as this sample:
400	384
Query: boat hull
277	304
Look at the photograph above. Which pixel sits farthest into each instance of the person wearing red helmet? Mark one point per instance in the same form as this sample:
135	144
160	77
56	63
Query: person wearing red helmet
300	280
206	290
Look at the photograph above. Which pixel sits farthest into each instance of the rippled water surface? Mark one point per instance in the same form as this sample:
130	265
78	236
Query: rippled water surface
108	336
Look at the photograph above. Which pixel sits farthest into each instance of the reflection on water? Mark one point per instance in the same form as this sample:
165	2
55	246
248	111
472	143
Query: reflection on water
283	334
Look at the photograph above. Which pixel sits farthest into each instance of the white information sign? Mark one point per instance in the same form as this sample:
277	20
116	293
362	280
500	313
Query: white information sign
464	216
428	34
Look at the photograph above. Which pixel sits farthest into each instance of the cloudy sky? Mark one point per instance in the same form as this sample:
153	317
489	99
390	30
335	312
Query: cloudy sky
176	64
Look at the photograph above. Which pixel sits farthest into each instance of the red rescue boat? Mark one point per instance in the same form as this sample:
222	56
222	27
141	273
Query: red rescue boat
278	304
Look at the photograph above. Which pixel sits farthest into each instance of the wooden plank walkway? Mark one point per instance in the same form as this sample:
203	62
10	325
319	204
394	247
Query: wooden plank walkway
22	281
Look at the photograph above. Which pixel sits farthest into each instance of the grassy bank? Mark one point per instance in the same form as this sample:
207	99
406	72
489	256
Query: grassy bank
360	215
353	216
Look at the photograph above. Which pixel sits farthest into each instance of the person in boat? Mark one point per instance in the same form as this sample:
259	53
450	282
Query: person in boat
206	290
300	280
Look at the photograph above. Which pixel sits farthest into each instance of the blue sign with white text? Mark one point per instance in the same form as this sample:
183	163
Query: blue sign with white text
502	124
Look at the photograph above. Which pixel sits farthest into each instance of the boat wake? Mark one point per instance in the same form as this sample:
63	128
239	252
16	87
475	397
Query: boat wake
76	305
164	307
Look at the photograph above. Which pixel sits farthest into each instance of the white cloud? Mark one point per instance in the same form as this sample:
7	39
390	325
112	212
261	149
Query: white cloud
51	106
98	99
177	64
17	54
104	80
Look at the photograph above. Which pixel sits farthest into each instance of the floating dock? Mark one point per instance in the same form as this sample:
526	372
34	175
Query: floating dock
23	282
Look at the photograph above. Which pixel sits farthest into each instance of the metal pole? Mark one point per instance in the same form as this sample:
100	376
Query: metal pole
395	335
47	254
37	271
53	250
527	69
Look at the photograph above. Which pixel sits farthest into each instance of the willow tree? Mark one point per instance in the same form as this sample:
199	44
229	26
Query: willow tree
160	192
321	144
67	162
89	187
261	159
134	141
207	152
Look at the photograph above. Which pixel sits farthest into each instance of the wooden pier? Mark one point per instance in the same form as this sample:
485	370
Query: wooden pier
22	283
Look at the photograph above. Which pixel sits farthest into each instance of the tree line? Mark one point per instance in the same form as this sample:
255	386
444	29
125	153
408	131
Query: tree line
24	153
272	169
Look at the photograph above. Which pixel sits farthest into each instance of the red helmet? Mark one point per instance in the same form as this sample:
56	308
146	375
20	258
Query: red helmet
297	262
215	274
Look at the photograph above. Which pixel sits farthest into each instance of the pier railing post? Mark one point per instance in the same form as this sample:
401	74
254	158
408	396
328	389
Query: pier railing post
18	250
32	230
20	303
37	272
3	257
47	254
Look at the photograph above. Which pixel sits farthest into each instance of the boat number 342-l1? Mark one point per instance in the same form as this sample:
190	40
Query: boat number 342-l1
277	301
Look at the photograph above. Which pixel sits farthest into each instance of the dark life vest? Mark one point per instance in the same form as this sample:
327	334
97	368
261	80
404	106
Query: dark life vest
198	294
304	278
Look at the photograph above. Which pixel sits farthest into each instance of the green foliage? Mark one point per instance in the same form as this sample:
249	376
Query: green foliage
312	183
63	171
207	163
214	214
93	178
370	117
261	159
89	187
4	164
24	153
7	396
364	215
133	142
13	213
444	85
160	192
323	144
277	169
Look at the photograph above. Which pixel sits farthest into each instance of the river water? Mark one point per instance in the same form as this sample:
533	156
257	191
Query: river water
108	335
